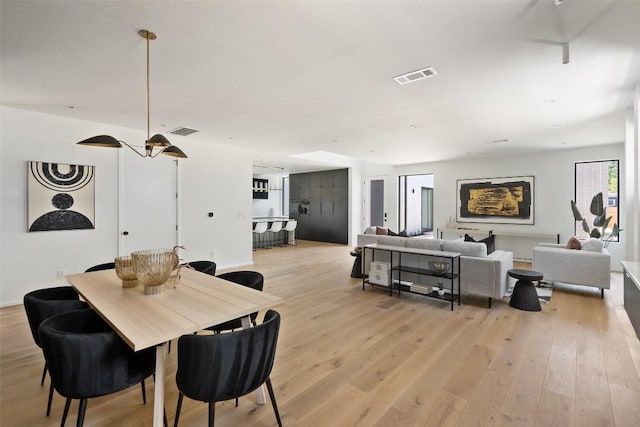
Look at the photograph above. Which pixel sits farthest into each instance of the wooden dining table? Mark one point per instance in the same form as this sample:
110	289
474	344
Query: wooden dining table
191	302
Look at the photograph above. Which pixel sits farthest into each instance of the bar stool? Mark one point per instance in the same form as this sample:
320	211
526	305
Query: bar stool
291	226
273	231
258	231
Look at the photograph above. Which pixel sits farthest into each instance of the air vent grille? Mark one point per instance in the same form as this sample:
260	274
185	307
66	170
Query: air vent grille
183	131
414	76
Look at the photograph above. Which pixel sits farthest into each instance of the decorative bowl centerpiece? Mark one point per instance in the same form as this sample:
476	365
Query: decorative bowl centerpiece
126	271
153	267
440	266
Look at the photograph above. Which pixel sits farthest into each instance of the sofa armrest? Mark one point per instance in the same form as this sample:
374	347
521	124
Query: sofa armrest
486	276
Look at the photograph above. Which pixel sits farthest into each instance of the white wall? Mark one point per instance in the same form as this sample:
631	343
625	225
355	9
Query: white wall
554	187
214	178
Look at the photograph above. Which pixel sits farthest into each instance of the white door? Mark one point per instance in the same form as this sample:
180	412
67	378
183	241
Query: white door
375	200
147	202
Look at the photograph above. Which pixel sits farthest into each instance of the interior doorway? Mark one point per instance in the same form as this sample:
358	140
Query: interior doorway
375	201
415	204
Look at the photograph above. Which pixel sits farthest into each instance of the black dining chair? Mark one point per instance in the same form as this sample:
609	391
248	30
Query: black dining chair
44	303
213	368
250	279
99	267
207	267
87	359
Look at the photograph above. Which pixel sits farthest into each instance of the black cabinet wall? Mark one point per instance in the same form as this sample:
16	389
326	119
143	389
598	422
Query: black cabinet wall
319	201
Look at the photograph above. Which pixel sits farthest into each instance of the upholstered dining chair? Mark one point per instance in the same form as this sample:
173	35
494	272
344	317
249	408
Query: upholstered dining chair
87	359
213	368
250	279
207	267
44	303
99	267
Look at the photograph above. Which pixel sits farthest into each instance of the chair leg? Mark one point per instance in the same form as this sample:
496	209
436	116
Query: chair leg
81	411
175	421
602	293
212	413
44	373
273	401
50	399
236	402
66	411
144	393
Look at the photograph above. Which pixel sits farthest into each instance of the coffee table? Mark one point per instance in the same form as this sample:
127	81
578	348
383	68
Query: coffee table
524	295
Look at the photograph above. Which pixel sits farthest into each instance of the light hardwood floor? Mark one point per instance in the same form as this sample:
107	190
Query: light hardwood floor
348	357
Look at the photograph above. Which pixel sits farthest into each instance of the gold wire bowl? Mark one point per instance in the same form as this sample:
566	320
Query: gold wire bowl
153	267
126	271
440	267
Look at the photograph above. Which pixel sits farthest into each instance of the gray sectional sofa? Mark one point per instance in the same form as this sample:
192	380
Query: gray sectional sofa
480	274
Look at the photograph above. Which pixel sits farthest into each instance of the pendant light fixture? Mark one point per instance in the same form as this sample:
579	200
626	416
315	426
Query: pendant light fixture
156	141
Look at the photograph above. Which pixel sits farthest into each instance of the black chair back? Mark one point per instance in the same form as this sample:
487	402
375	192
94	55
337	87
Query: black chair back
86	358
44	303
250	279
207	267
212	368
99	267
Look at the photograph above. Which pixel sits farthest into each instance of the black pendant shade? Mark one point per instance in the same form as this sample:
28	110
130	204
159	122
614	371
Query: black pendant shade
174	151
158	140
101	141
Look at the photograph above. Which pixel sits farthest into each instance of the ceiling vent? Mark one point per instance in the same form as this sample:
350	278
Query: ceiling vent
183	131
414	76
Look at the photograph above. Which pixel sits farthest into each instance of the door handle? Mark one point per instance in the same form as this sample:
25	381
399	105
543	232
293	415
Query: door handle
125	233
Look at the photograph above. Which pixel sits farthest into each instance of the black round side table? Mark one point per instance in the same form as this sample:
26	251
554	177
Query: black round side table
356	270
524	295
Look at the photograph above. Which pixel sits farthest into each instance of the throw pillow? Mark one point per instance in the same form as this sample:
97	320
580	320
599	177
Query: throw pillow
594	245
489	241
573	243
381	231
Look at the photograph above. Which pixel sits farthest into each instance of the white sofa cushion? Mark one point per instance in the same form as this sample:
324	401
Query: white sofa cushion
593	245
475	249
431	244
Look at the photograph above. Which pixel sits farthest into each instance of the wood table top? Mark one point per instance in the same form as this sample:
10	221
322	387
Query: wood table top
196	302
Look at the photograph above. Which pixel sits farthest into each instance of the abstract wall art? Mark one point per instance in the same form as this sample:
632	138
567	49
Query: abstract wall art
496	200
60	196
260	188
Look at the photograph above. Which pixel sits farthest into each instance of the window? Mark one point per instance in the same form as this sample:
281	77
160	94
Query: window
592	178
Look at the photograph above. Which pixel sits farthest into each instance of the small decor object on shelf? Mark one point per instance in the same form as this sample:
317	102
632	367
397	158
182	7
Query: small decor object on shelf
126	271
439	266
153	267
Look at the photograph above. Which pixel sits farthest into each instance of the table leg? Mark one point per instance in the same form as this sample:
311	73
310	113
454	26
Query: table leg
158	395
260	400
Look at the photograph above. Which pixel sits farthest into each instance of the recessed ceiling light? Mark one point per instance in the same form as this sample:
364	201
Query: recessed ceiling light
413	126
373	151
563	142
334	140
549	101
71	107
556	125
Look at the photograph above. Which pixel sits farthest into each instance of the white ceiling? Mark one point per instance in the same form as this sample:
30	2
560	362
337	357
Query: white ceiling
292	77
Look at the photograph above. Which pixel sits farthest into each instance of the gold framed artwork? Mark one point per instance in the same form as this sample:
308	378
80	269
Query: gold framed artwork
60	196
507	200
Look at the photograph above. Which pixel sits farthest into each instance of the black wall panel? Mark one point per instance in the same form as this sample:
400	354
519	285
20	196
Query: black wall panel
319	201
